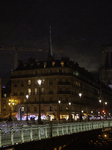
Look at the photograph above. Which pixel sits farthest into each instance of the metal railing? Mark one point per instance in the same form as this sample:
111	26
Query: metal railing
20	134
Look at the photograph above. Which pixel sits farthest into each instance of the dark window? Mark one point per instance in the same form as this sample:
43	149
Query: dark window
66	98
60	71
35	109
50	99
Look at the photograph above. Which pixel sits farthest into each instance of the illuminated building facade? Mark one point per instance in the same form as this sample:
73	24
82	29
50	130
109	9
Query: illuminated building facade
62	80
5	96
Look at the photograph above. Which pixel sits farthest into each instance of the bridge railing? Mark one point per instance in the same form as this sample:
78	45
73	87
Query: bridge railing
14	135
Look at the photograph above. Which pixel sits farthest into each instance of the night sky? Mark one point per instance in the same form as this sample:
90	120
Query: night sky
79	29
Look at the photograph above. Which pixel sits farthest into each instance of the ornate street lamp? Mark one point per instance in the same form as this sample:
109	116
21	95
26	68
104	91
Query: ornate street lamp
100	101
27	96
11	104
39	117
104	103
59	109
69	110
80	95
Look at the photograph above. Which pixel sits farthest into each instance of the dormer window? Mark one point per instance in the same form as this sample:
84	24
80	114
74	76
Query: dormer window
45	64
62	63
53	63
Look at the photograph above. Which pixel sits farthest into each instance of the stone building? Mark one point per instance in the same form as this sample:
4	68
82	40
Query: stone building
0	97
105	71
58	95
61	80
5	97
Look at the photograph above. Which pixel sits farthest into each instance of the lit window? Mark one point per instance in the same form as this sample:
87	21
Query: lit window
22	108
29	91
62	63
66	108
35	91
42	90
5	95
53	63
77	83
29	82
45	64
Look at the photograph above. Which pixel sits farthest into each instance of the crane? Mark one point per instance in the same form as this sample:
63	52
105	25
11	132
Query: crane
25	49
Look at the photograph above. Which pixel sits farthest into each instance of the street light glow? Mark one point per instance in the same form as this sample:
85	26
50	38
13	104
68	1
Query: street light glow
69	103
105	103
27	96
80	94
59	101
39	82
100	100
91	112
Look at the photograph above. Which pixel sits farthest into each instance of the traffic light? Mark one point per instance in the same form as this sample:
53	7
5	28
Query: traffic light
103	111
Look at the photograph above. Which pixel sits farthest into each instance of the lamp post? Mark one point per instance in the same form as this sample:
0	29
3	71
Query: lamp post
39	117
104	103
11	104
69	111
27	96
100	101
80	95
59	109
